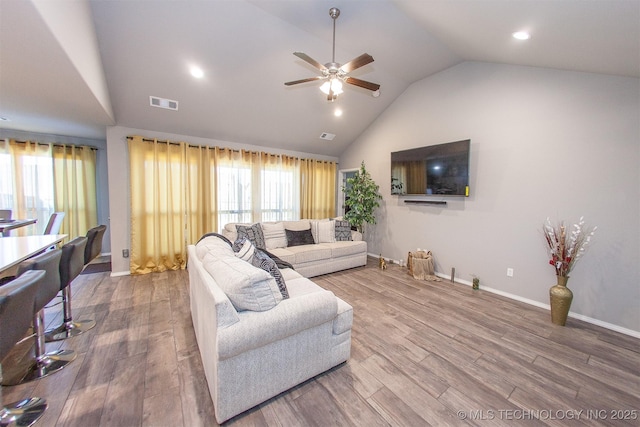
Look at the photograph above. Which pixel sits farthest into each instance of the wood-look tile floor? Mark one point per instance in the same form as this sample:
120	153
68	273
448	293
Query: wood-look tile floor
423	353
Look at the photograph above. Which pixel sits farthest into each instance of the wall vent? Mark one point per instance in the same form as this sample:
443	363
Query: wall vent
327	136
169	104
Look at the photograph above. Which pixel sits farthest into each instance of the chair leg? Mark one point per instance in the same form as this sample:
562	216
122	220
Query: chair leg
22	413
68	328
45	363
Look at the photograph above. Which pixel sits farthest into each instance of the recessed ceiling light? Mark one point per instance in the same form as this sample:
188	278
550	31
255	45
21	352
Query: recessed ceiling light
197	72
337	112
521	35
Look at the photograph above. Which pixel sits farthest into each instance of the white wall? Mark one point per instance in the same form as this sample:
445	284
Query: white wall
119	195
545	143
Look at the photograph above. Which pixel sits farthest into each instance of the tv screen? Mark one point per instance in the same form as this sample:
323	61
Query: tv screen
441	169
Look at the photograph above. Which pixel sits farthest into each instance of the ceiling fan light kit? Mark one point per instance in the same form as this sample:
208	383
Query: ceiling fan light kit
334	73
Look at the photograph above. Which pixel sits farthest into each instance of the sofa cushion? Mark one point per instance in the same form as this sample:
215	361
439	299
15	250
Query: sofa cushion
214	245
246	286
298	238
285	254
308	253
303	224
343	230
253	233
274	235
340	249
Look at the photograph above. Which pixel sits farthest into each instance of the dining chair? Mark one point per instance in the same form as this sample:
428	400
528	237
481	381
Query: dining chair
54	224
94	243
44	363
17	305
71	265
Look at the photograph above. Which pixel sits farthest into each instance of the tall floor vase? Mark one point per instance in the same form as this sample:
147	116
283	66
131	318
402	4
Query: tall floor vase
560	297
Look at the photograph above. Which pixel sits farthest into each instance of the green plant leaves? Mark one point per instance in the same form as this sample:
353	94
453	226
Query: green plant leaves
361	197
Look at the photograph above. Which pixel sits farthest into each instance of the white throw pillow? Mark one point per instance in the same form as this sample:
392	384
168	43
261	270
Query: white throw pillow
314	228
326	232
246	251
274	235
246	286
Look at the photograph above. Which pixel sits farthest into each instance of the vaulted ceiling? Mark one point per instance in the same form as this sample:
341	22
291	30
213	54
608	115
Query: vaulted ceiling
74	67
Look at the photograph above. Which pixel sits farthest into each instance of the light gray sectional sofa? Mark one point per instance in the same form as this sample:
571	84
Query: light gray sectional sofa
252	355
326	254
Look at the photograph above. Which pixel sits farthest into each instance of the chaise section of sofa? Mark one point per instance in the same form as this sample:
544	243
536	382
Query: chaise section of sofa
325	255
251	356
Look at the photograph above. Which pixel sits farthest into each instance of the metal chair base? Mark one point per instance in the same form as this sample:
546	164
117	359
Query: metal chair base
47	364
23	413
68	330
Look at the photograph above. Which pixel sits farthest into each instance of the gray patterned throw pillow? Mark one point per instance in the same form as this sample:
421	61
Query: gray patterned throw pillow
262	260
253	233
343	231
256	257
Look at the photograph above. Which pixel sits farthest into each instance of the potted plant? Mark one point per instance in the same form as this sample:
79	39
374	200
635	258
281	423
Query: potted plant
361	199
564	251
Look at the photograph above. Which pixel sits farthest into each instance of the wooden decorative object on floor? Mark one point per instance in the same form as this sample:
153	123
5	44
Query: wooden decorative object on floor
383	263
420	265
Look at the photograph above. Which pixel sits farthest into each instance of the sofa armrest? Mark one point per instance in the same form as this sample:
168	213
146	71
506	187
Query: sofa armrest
256	329
356	236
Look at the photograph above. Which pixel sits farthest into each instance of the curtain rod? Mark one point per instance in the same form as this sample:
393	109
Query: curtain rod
224	148
55	144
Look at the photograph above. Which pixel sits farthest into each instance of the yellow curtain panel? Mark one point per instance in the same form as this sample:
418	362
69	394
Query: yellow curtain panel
317	189
180	192
74	177
37	179
157	179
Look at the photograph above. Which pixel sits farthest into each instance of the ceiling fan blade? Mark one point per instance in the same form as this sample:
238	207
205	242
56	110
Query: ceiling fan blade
356	63
310	60
362	83
310	79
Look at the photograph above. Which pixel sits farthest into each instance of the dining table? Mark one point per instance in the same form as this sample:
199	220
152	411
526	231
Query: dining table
14	250
11	224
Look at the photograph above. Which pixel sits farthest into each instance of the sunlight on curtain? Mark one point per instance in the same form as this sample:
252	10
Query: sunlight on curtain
201	192
317	189
280	188
74	177
158	207
235	192
26	184
254	187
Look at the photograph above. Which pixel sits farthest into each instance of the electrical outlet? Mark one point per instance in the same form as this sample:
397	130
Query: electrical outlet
125	253
510	272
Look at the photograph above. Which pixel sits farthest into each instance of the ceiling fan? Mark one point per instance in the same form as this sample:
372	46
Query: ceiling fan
335	73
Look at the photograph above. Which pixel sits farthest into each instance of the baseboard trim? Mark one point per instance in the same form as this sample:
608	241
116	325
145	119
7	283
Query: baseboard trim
606	325
120	273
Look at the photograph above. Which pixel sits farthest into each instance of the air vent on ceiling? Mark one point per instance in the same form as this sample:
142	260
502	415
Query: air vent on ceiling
169	104
327	136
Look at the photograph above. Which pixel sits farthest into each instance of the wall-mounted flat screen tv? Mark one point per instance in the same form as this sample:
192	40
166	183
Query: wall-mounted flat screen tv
441	169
